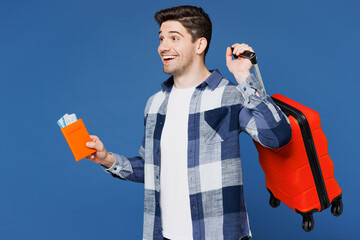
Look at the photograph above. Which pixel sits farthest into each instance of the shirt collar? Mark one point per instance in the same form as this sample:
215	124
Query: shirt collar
212	81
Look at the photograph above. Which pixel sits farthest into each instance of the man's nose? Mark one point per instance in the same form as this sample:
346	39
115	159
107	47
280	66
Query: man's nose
164	46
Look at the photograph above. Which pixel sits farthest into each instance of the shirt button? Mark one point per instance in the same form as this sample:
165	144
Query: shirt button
193	206
157	177
115	169
244	88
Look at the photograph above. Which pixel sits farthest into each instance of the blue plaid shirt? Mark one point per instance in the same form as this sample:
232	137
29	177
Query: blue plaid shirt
219	111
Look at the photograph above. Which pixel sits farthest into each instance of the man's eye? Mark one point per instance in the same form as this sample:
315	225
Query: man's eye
174	38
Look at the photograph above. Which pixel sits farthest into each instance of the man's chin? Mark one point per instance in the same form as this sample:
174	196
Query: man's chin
169	71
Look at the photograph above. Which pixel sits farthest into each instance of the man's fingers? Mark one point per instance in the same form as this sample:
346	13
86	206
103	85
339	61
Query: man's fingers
96	143
93	145
94	138
240	48
98	146
90	157
235	45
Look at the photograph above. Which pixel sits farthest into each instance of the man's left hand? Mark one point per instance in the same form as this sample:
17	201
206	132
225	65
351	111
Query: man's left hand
239	67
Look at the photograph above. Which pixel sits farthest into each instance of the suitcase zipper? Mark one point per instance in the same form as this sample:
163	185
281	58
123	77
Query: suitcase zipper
310	151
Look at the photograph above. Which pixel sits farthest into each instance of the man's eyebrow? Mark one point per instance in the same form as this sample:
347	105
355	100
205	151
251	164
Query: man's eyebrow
173	32
177	33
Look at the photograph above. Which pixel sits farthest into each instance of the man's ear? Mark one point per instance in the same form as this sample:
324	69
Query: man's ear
201	45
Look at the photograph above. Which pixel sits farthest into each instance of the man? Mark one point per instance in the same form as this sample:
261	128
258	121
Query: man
190	158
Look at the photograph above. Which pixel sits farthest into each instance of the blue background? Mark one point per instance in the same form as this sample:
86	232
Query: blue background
99	59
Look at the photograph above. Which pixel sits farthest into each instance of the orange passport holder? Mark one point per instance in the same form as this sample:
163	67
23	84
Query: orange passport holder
77	136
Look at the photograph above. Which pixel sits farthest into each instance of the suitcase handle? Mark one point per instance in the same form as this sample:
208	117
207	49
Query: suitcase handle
248	55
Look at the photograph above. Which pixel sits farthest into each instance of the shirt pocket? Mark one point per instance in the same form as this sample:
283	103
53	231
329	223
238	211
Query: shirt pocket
217	123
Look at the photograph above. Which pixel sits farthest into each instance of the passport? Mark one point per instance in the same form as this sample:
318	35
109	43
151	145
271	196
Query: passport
76	135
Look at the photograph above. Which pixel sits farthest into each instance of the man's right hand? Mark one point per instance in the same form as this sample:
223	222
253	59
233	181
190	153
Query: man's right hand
101	156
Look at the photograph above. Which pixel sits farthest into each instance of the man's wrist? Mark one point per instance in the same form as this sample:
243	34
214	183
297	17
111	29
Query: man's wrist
108	161
241	76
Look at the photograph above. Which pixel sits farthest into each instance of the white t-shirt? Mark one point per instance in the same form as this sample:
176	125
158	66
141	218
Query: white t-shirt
174	186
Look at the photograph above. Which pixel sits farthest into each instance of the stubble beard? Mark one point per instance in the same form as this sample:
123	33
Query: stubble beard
177	69
173	71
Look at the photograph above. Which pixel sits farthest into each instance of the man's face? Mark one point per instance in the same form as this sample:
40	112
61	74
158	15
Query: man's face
176	48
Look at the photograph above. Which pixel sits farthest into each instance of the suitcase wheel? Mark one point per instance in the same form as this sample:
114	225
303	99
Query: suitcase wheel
337	207
308	222
273	201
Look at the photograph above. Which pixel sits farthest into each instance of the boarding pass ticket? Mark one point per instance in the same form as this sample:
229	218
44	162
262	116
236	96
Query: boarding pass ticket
66	120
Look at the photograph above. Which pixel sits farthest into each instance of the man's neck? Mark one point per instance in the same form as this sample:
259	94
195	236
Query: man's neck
192	77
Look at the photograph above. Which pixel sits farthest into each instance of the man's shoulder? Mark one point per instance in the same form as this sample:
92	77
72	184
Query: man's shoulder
156	95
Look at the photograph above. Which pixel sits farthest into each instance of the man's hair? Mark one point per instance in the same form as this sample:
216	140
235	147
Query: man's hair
194	19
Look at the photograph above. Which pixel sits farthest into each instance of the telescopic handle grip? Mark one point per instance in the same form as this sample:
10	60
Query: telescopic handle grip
248	55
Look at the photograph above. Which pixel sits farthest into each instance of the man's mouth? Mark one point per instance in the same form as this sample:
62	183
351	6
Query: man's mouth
168	58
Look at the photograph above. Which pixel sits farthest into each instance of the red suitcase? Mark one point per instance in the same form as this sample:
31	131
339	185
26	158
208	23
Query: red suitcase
301	174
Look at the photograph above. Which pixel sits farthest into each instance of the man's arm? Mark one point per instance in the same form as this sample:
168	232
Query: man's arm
259	117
